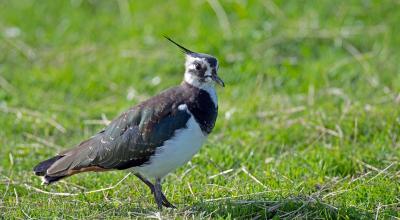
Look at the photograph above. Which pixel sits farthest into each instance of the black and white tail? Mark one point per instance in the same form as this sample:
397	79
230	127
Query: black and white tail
42	167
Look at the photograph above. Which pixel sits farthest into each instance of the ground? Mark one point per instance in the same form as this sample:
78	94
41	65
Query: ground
308	122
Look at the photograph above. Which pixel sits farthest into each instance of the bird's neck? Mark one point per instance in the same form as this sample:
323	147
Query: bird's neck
202	103
207	87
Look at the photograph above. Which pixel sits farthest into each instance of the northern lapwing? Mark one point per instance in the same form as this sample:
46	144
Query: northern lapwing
152	138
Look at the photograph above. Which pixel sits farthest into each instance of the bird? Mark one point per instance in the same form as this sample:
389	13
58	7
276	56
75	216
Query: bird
152	138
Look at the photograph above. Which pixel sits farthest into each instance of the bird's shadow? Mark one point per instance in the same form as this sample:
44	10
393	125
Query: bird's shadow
250	208
285	208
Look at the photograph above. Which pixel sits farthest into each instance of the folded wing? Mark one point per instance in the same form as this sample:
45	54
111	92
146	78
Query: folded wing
129	141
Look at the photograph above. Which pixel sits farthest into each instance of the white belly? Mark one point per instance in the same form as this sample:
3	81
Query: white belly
175	152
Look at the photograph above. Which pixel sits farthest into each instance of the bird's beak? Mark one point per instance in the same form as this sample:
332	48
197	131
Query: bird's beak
218	80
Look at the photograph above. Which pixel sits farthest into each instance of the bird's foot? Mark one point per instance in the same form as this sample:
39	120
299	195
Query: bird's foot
166	203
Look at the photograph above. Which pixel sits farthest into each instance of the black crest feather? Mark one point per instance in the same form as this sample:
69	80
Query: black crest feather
185	50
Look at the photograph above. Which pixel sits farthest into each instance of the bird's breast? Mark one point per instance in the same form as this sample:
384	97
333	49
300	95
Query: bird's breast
174	152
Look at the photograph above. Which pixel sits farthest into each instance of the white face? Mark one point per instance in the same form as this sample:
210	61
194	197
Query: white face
198	72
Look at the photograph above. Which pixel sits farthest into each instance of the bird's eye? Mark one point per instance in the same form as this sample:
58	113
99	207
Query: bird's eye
197	66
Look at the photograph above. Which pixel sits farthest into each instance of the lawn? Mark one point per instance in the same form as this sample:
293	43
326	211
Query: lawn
309	120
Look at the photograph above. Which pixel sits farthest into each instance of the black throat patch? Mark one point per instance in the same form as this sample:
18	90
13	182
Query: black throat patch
202	107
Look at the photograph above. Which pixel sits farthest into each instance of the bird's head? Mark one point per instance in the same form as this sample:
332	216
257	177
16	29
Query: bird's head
200	69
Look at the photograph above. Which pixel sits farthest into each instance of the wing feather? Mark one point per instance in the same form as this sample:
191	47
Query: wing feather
130	140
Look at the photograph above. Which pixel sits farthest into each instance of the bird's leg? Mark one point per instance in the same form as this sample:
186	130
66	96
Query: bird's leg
146	181
165	202
158	193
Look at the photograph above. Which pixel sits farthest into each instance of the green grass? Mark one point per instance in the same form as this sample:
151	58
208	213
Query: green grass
309	119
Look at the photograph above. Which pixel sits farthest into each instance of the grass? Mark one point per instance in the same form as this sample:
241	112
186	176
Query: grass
309	120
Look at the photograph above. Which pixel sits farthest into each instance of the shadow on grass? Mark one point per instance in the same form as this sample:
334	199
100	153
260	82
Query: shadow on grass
290	208
299	207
